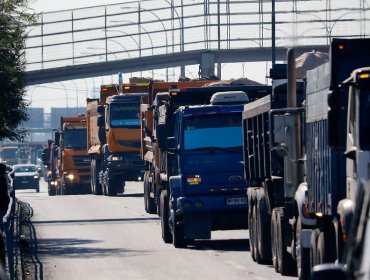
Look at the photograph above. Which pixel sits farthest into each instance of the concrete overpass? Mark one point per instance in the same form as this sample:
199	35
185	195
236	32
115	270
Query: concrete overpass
205	58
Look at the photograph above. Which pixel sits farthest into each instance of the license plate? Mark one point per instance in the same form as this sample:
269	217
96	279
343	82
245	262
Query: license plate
236	200
24	182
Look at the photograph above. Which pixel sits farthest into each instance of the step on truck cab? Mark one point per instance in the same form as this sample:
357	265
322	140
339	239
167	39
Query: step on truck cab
114	137
201	171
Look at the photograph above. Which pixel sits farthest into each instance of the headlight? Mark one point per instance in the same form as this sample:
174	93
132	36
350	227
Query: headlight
35	176
116	158
70	177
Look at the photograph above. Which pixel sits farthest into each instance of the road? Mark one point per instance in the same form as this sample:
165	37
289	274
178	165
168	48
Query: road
97	237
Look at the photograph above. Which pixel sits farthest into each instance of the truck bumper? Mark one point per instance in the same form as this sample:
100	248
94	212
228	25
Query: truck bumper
131	169
201	215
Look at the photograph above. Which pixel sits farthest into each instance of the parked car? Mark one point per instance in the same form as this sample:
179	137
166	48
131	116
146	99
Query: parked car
26	176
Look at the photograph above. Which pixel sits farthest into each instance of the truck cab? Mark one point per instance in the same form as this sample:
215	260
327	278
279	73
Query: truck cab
73	160
204	164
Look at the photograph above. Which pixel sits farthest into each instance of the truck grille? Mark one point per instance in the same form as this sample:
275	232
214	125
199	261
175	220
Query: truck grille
85	177
82	161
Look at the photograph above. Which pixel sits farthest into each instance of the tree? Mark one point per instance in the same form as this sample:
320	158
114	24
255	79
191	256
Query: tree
14	18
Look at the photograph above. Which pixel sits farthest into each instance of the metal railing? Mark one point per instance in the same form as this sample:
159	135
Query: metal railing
7	228
158	27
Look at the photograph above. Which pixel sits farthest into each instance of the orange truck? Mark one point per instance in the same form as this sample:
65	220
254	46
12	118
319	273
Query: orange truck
113	123
73	161
158	95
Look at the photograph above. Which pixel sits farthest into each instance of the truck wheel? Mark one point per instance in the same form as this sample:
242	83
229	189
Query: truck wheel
152	207
302	254
149	203
51	190
96	187
285	260
166	234
263	231
146	188
251	226
313	248
321	249
178	239
111	186
274	241
255	238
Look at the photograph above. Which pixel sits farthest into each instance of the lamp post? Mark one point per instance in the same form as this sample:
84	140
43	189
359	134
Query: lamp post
181	23
139	44
160	20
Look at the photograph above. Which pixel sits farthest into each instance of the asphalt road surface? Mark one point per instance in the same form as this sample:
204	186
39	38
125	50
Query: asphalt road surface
97	237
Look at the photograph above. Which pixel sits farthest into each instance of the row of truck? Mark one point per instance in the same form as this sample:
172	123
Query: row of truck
285	161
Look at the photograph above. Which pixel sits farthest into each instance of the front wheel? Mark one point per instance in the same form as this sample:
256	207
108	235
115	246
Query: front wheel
164	211
111	186
178	239
302	254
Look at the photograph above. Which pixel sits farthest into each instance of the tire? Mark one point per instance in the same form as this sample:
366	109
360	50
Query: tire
96	187
313	247
284	258
251	226
255	237
149	202
321	249
302	254
178	238
51	190
263	231
275	262
111	186
165	227
146	188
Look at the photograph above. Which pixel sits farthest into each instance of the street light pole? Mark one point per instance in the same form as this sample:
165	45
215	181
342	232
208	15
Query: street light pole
164	28
146	32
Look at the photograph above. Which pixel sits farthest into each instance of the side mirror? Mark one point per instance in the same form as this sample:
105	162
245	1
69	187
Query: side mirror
45	159
171	143
100	109
351	153
57	137
101	121
161	134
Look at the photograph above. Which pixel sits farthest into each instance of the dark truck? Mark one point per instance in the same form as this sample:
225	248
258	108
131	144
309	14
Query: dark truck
295	159
201	170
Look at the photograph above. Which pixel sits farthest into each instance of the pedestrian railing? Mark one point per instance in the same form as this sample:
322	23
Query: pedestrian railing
7	229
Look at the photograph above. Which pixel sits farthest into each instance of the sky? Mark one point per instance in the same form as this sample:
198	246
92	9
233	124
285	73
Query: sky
73	93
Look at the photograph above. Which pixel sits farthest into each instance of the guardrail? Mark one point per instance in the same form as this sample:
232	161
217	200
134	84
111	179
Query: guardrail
7	229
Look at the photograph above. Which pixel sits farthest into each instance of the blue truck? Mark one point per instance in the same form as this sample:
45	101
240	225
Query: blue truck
199	134
299	162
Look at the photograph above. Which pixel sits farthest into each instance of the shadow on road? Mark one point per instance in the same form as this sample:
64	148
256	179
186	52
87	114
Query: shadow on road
130	195
79	248
113	221
232	245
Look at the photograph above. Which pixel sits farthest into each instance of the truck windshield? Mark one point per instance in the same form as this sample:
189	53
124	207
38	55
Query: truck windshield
9	153
213	131
125	115
365	120
75	138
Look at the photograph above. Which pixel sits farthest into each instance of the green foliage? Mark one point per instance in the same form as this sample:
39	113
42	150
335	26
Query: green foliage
14	18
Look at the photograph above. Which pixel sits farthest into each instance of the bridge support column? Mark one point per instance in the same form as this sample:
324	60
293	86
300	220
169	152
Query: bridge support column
207	65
